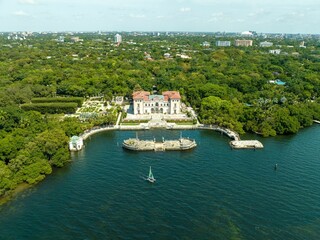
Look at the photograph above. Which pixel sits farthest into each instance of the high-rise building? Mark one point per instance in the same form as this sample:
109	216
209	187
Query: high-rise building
243	43
117	38
266	44
223	43
275	51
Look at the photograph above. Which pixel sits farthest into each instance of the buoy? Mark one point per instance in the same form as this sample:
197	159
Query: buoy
275	167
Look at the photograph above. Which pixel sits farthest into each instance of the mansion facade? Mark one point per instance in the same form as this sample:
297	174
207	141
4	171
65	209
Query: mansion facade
167	103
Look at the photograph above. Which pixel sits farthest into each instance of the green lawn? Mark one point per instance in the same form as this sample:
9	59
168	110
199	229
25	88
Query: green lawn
130	123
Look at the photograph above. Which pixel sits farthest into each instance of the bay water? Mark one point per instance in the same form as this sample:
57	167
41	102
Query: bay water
210	192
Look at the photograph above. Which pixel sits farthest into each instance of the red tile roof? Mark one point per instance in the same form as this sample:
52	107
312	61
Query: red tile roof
145	95
141	95
171	95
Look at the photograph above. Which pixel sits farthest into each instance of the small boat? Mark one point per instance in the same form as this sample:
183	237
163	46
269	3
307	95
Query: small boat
150	177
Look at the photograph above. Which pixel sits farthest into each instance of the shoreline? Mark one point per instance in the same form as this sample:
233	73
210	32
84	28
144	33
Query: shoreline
23	186
95	130
88	133
13	193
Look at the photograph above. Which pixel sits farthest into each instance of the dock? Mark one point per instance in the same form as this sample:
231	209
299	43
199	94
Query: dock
181	144
231	134
236	143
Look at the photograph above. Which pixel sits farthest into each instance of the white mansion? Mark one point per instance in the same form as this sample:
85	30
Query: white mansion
168	103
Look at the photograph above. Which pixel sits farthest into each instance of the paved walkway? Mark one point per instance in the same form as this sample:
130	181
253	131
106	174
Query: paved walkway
228	132
118	120
157	120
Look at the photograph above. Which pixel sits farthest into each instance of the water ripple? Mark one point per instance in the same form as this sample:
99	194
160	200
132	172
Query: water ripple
212	192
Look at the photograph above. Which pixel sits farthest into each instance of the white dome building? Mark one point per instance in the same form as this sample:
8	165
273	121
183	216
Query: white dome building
247	34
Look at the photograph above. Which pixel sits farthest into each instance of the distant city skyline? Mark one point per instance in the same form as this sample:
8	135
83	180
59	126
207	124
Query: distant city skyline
270	16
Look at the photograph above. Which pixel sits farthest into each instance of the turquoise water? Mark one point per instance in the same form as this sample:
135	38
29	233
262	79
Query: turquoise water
211	192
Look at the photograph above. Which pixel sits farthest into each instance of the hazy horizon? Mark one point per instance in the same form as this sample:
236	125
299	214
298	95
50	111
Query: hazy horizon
291	17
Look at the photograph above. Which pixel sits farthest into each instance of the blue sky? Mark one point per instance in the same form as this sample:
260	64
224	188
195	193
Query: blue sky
272	16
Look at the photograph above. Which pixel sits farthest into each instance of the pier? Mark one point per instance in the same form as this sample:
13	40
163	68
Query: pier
227	132
236	143
181	144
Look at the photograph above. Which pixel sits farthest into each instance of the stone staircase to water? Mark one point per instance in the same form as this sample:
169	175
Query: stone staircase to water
157	122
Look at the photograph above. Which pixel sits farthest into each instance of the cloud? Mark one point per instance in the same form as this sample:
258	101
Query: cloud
205	2
240	20
218	14
137	15
21	14
79	15
215	17
185	9
30	2
259	12
296	14
291	17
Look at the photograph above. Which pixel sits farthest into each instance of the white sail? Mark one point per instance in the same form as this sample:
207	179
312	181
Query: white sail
150	176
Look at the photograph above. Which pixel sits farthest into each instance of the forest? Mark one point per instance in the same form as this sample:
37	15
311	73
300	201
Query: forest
231	87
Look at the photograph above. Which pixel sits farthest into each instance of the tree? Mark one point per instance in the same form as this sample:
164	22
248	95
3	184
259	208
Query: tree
284	123
6	177
50	142
34	172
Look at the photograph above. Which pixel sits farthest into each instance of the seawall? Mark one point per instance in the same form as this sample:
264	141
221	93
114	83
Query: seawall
236	142
95	130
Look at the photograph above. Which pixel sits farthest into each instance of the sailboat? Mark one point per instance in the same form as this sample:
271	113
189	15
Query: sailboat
150	177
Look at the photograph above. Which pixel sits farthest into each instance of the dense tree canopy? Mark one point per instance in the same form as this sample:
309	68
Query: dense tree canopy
227	86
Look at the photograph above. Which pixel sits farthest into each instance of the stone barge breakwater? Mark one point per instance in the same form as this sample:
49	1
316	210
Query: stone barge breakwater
239	144
181	144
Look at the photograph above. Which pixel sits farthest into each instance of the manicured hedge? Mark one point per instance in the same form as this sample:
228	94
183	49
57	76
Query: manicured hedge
54	107
77	100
